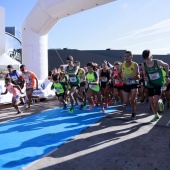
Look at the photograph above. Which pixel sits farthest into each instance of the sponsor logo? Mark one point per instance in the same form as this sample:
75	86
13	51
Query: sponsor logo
38	92
42	85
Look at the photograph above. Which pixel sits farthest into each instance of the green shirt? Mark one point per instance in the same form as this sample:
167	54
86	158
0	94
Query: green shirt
164	75
154	75
73	79
91	77
59	89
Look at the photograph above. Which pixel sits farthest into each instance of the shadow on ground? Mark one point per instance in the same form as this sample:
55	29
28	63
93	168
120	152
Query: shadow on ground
115	143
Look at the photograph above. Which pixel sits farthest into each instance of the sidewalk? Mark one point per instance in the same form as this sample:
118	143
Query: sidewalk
113	143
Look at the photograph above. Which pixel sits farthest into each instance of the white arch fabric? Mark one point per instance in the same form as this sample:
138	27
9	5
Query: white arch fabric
2	30
39	22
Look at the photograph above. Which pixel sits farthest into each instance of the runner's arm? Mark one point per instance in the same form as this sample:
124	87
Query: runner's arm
165	65
120	77
100	77
137	74
143	68
18	87
4	92
21	79
144	73
36	79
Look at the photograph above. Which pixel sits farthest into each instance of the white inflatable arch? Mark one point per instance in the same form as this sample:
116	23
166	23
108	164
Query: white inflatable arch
42	18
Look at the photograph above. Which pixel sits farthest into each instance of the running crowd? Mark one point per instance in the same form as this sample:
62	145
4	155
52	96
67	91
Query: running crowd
119	84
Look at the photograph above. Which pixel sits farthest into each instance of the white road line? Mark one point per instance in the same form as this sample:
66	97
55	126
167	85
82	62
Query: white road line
168	123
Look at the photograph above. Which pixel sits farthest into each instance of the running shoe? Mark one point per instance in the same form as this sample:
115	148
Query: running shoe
160	106
128	107
24	105
37	100
71	110
85	105
81	106
155	118
133	117
91	107
18	113
27	107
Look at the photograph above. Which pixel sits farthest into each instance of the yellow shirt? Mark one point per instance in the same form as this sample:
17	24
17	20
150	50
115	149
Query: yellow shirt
128	72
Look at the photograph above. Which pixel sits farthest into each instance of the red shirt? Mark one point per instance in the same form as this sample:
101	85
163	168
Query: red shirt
116	80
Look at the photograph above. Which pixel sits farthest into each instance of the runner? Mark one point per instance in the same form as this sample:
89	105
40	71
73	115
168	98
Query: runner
96	69
64	80
167	94
31	83
16	91
111	83
53	73
163	88
153	75
81	89
92	79
129	73
17	79
15	76
104	77
141	87
60	88
74	80
118	84
61	69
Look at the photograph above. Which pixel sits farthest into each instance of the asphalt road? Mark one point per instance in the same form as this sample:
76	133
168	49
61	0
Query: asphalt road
113	143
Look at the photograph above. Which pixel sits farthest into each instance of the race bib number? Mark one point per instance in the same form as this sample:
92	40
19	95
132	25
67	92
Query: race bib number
117	81
154	76
92	86
73	79
14	78
130	82
57	90
104	79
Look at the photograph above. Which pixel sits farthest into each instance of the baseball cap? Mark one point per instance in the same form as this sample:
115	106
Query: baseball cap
22	66
9	66
70	58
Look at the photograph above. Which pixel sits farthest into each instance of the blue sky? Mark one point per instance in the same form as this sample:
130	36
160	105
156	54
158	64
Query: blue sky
124	24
